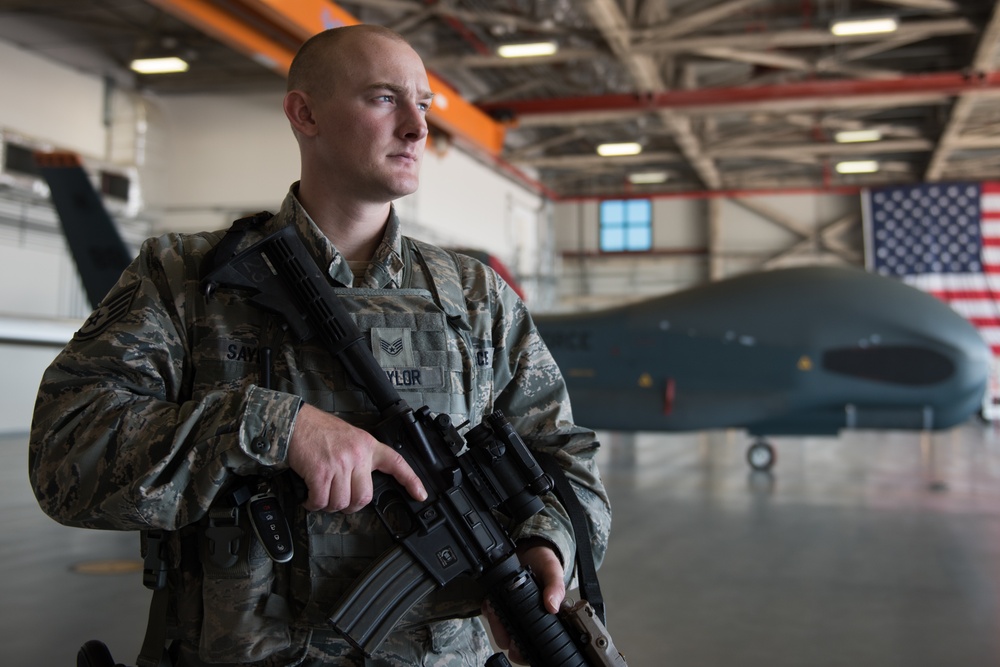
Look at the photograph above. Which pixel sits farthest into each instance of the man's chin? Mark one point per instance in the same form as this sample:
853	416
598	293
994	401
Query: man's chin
404	188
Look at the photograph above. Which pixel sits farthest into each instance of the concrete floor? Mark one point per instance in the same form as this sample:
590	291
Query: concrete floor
872	549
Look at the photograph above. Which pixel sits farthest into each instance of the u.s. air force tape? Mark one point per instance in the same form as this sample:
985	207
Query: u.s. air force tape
112	309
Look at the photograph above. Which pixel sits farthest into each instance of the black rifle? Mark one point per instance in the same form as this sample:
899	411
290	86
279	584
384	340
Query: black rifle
454	532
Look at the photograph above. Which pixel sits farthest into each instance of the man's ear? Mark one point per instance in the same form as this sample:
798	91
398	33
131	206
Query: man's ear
298	109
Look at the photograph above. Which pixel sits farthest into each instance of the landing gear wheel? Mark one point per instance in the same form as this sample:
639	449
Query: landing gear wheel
95	654
761	456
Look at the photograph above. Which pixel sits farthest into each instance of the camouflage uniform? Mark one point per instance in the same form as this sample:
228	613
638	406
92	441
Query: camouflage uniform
156	409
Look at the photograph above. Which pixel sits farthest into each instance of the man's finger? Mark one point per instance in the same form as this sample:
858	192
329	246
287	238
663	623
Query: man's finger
389	461
319	495
555	590
500	634
362	490
339	496
497	628
548	573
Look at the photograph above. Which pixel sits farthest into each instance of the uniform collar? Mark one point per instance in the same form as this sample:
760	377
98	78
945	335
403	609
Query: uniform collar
386	268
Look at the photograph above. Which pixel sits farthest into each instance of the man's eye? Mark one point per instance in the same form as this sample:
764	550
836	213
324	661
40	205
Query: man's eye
424	106
384	98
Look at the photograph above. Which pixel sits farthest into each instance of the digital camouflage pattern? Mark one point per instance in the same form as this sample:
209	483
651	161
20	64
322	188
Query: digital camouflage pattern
452	643
155	411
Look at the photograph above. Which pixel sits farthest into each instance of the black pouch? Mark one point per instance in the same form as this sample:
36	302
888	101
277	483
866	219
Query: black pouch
244	618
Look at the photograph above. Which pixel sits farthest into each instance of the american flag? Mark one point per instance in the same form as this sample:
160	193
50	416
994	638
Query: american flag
943	238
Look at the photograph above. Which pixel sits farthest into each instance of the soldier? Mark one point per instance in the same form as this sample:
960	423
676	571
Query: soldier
166	401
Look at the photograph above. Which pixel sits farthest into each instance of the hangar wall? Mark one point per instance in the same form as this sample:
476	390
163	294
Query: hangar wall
48	101
697	239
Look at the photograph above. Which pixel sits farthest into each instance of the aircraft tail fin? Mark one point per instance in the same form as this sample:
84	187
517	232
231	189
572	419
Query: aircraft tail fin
97	248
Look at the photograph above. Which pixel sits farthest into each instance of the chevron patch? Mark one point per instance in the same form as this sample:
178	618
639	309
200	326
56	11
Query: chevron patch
392	349
112	309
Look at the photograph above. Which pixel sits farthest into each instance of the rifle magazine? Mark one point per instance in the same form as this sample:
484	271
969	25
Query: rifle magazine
380	598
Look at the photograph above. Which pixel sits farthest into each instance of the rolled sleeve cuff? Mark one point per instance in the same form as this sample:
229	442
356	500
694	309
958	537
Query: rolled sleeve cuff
266	427
551	530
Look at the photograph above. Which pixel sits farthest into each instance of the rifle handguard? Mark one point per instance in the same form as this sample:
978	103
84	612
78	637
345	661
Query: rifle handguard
541	636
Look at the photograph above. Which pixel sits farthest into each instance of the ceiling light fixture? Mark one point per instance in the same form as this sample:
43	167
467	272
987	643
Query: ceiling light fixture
871	26
855	136
527	50
614	150
158	65
648	177
857	167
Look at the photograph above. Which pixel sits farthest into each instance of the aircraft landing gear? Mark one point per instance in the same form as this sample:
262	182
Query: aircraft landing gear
761	455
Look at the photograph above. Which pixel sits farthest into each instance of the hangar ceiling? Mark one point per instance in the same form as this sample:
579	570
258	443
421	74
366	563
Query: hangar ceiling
726	95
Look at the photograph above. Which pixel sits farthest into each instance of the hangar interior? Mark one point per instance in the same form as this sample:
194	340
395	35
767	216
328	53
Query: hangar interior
870	548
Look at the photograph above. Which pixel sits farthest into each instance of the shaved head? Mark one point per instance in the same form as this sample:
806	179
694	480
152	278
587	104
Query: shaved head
357	102
321	55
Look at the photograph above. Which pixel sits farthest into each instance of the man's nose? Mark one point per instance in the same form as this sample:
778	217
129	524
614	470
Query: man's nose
414	125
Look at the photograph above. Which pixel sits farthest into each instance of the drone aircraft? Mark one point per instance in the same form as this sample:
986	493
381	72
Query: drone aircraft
798	351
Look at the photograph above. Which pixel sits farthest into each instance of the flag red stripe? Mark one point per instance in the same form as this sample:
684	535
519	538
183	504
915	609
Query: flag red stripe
965	295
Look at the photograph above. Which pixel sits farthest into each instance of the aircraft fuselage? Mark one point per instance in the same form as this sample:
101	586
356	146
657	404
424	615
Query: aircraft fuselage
808	350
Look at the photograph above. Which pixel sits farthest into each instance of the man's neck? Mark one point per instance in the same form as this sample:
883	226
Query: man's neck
354	227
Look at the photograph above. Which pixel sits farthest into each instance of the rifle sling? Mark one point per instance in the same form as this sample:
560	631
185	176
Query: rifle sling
590	588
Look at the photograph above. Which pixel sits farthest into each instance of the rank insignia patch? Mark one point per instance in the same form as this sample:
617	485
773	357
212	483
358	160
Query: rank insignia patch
392	347
110	311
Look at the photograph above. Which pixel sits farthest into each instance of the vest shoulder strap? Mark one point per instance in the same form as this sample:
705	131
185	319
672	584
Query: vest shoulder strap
444	278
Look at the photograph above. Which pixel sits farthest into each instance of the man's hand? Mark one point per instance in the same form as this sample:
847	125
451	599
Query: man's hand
548	570
336	461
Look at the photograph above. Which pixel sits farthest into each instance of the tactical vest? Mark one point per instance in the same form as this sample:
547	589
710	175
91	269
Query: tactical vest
436	349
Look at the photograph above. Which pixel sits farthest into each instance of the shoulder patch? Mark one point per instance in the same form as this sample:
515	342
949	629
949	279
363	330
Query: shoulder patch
110	311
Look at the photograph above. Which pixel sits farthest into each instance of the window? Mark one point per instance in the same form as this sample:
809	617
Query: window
901	364
19	159
626	225
114	185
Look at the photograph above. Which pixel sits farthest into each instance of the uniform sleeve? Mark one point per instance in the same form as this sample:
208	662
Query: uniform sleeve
532	394
116	440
